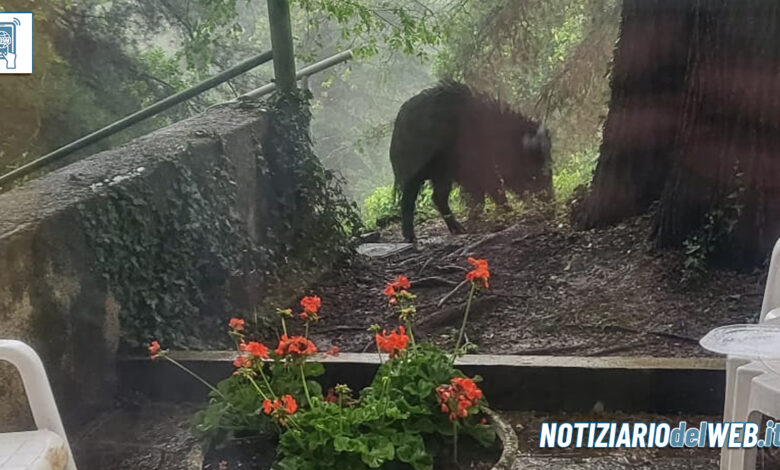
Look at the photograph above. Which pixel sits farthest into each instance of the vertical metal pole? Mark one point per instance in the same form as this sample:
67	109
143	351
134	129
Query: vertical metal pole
282	44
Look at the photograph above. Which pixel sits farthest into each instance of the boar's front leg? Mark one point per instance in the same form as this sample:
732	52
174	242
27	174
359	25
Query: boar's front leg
441	198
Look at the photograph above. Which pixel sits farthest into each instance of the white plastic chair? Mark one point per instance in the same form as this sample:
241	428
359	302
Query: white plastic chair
743	401
47	447
757	393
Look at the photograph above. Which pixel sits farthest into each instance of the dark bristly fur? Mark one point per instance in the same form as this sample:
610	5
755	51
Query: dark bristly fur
450	134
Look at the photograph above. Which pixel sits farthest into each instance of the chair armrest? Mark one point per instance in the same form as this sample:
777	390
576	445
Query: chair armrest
37	388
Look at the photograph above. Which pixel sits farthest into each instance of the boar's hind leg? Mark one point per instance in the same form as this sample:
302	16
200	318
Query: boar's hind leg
441	198
408	201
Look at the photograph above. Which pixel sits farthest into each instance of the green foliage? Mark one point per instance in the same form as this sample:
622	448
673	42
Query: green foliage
232	414
206	24
284	379
388	425
415	379
718	224
382	206
325	221
160	253
416	402
573	172
235	412
406	26
356	438
166	70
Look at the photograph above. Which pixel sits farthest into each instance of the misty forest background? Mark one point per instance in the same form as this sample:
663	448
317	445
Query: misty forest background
99	60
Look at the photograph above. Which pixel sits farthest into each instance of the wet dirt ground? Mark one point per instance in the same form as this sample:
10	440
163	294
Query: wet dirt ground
149	437
553	290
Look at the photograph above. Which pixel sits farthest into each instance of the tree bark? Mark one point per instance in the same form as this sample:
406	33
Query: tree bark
725	183
645	107
694	123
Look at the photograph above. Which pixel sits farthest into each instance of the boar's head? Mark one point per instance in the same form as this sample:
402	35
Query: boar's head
530	169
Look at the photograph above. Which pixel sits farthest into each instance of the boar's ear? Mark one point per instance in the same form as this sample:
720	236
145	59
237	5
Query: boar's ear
533	141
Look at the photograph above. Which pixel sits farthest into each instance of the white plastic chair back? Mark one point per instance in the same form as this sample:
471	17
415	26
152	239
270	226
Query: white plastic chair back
44	410
772	290
738	384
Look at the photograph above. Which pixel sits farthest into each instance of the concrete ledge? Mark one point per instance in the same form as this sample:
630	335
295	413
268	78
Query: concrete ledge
542	383
607	362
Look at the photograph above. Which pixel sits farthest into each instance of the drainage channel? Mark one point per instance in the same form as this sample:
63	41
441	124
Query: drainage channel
517	383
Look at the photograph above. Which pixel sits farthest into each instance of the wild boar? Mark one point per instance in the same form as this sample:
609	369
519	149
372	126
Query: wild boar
450	134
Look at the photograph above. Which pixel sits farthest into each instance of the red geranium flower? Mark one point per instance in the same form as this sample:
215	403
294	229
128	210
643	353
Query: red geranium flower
468	387
280	409
154	349
236	324
242	361
389	290
290	405
394	343
457	398
311	306
402	283
268	406
255	349
295	346
333	351
397	288
480	273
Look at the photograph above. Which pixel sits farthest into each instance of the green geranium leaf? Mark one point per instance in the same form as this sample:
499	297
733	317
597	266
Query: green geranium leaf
483	433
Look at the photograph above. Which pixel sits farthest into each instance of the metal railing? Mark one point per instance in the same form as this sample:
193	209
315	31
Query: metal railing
303	74
167	103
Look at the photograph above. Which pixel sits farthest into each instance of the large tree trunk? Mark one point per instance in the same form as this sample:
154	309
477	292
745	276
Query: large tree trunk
644	111
725	182
695	122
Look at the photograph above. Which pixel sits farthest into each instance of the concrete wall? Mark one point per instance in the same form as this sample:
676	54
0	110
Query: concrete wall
50	296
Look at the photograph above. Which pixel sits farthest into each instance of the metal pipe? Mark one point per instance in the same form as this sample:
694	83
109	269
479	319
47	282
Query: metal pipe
304	72
282	44
137	117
